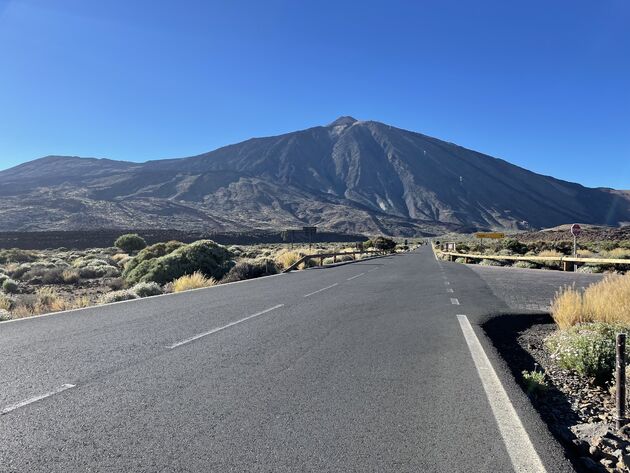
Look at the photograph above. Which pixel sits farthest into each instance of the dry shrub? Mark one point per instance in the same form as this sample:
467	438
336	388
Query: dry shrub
118	296
552	253
70	276
5	302
286	258
605	301
617	253
195	280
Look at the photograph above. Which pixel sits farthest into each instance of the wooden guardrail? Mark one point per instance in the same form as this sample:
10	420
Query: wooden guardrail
567	262
322	256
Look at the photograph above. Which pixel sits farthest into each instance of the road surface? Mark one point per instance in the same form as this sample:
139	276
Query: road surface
375	366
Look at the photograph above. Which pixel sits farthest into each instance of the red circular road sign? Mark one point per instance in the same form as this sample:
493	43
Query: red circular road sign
576	229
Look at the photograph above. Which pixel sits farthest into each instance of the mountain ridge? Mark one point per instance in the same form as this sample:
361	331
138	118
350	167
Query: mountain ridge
350	175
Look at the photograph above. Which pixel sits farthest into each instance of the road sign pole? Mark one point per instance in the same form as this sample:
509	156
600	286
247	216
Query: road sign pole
575	246
620	374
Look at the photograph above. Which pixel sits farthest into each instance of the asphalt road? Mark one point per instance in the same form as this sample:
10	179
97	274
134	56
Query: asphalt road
362	367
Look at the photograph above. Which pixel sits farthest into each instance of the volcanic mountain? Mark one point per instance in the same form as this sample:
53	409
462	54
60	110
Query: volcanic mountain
349	176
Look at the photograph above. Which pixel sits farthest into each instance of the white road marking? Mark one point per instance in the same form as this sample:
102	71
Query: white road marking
320	290
454	301
518	444
449	290
218	329
31	400
447	283
373	269
354	277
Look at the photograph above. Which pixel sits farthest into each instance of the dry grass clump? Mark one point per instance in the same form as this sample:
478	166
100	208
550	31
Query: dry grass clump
552	253
286	258
195	280
606	301
5	302
617	253
45	300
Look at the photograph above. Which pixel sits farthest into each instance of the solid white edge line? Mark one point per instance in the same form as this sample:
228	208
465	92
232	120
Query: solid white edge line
31	400
320	290
454	301
218	329
354	277
519	446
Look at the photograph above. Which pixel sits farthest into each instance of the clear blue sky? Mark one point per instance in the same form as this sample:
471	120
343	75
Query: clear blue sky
543	84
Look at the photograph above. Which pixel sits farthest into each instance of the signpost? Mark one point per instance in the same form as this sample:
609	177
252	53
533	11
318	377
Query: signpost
575	231
490	235
482	235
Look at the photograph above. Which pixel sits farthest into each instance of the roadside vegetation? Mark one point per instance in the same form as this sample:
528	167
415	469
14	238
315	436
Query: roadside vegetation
37	282
606	249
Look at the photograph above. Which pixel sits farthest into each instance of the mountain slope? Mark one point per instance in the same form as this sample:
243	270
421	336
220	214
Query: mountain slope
358	176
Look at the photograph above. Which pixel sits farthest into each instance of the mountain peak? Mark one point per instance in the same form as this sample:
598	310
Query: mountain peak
344	121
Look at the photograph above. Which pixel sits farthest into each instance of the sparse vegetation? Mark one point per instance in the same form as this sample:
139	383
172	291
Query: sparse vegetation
62	279
587	349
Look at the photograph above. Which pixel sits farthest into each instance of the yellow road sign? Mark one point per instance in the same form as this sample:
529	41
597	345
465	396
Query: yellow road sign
490	235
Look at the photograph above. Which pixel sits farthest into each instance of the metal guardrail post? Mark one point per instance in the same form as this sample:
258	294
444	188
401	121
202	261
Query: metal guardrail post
620	414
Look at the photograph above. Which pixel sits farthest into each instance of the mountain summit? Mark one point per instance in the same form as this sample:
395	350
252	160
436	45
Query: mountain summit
354	176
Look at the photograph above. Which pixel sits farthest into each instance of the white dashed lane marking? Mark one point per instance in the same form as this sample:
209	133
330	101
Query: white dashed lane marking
320	290
218	329
31	400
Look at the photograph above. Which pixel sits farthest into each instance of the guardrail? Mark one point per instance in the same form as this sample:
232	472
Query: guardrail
567	262
322	256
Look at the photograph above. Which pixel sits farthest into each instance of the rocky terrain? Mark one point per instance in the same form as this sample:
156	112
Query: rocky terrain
349	176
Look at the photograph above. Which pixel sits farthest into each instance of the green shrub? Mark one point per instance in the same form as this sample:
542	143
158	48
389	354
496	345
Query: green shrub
526	265
14	255
514	246
151	252
147	289
20	271
249	269
535	382
590	268
490	262
587	349
118	296
130	243
205	256
10	286
95	272
384	244
3	277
